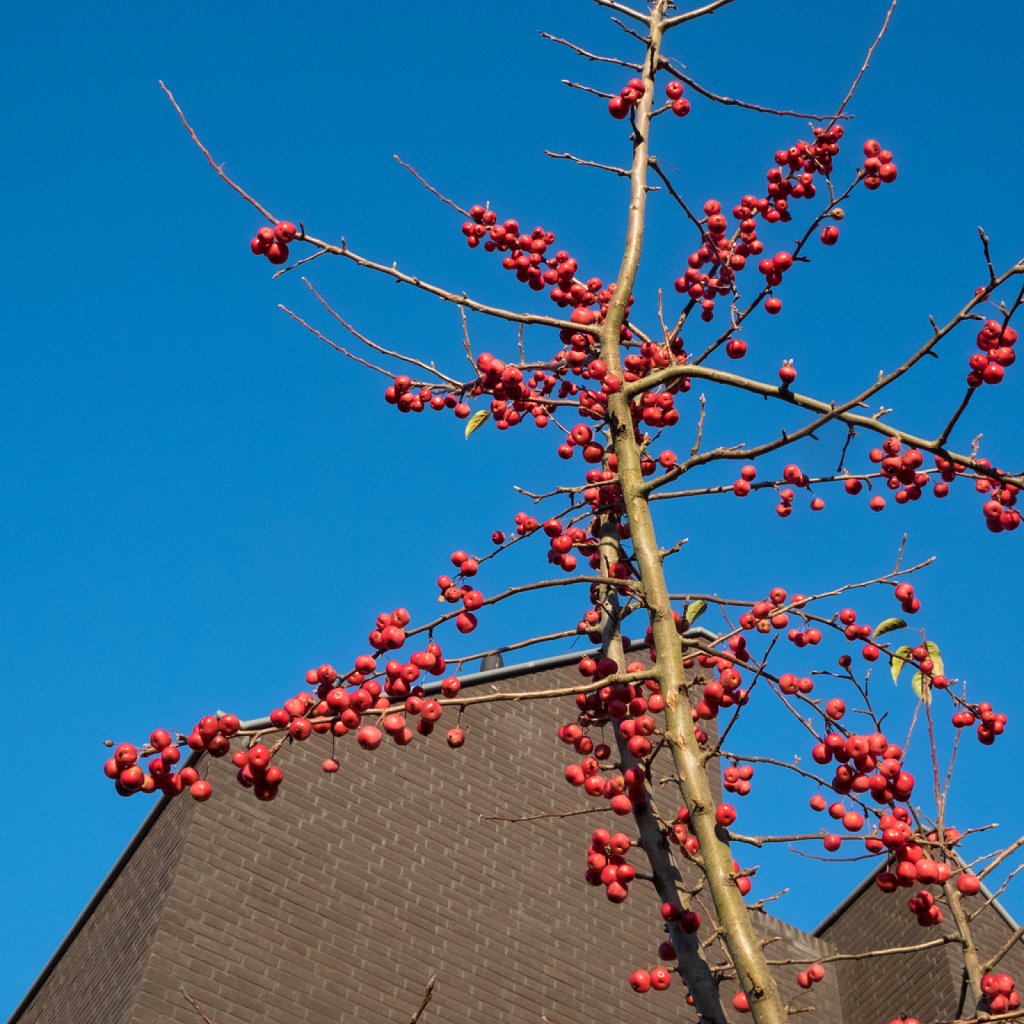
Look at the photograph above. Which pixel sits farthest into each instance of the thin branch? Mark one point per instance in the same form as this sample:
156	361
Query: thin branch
333	344
1001	856
427	995
624	10
430	188
698	12
867	60
379	348
587	88
195	1006
987	254
729	101
996	957
621	172
298	263
656	167
960	409
942	940
592	56
442	293
517	646
546	814
219	168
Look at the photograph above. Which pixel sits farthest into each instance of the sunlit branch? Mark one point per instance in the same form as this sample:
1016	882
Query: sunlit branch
867	61
430	188
698	12
579	51
429	367
729	101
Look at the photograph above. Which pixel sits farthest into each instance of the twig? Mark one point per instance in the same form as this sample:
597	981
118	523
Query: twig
586	88
996	957
443	293
698	12
1001	856
546	814
427	995
988	255
623	9
867	60
219	168
729	101
622	172
298	263
333	344
430	188
195	1006
412	361
592	56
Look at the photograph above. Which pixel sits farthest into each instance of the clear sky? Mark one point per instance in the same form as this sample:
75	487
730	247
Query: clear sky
198	501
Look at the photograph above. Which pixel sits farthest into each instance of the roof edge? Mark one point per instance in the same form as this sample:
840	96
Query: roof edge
869	881
470	679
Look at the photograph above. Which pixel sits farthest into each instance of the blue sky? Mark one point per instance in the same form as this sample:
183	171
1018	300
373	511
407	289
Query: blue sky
199	501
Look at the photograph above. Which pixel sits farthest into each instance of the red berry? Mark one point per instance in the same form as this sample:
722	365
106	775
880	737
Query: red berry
285	231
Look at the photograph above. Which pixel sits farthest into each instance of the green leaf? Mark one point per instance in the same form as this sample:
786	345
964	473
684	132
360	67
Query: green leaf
695	610
888	626
477	420
933	653
921	688
897	661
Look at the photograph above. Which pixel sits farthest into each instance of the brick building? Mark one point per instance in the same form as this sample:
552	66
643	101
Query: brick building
339	900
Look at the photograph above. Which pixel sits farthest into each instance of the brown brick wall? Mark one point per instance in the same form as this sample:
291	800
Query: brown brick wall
337	901
95	980
925	984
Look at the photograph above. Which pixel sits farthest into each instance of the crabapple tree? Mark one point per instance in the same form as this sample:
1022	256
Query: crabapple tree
621	378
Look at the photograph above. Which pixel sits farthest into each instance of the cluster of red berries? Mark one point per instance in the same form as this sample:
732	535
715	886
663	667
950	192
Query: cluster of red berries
723	259
868	764
674	92
471	598
736	779
852	820
212	733
511	395
990	726
680	835
628	97
257	772
273	242
401	395
791	178
766	615
924	906
657	409
606	864
659	978
999	511
903	473
632	714
878	166
996	342
526	256
724	691
913	867
1000	992
813	974
337	706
